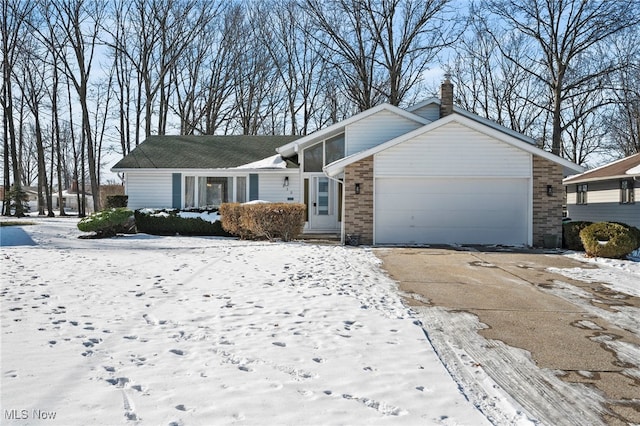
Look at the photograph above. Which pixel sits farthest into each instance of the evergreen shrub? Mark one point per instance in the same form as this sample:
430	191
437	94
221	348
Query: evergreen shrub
168	222
571	234
610	240
109	222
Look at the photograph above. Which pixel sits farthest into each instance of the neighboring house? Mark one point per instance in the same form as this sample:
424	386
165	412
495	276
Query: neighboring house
70	201
610	193
429	174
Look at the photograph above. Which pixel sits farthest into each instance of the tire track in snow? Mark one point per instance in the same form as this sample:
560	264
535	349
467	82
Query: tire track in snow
540	392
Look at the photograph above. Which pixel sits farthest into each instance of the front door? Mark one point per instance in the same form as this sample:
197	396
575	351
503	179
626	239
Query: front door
323	204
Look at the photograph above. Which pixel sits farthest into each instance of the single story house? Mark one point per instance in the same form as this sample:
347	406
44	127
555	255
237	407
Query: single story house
70	201
607	193
428	174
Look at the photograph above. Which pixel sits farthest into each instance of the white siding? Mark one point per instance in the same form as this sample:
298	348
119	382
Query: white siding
376	129
146	189
453	150
431	112
270	187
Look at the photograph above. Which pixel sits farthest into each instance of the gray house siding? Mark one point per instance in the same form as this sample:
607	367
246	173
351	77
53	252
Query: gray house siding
603	203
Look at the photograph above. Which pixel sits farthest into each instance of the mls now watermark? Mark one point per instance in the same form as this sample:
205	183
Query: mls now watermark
34	414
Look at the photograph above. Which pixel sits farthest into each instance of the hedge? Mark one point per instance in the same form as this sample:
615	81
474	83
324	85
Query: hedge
168	222
571	234
264	220
114	201
230	217
611	240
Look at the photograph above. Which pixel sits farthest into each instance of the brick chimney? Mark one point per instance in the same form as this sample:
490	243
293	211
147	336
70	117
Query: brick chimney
446	96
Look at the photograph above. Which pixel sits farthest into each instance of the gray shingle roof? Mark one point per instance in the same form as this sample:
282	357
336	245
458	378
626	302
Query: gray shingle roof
616	169
201	152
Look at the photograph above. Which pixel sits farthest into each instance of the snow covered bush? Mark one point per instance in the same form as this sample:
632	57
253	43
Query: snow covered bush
178	222
611	240
108	223
571	234
264	220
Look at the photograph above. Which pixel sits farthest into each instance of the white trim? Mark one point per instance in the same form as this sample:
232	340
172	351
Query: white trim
209	172
598	179
530	206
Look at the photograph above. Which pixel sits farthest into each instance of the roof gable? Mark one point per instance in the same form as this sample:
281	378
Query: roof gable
292	148
625	167
474	117
200	152
338	166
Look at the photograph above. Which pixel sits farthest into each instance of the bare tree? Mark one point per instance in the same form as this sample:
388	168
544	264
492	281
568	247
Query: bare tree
153	35
409	35
494	87
80	22
203	75
342	31
382	48
564	31
622	122
584	131
33	89
295	54
124	73
15	15
254	78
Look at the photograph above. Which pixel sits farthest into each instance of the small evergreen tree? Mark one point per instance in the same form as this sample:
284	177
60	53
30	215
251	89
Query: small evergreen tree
19	200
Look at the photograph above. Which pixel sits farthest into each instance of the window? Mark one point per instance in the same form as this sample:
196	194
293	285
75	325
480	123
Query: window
581	194
189	192
241	189
323	153
334	149
212	191
626	192
313	158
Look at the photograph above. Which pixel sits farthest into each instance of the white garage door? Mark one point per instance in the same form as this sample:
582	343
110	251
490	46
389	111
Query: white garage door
451	211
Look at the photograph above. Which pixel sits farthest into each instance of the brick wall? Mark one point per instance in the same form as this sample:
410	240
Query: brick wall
547	210
358	208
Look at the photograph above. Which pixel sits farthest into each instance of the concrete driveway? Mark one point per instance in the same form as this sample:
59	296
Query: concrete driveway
578	342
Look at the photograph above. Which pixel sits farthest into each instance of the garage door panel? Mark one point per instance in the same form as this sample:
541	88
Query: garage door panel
451	211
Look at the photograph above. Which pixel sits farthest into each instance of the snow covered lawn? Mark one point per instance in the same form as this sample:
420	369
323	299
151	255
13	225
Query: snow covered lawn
187	330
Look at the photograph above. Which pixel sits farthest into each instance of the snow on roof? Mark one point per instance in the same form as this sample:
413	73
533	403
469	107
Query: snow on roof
273	162
634	170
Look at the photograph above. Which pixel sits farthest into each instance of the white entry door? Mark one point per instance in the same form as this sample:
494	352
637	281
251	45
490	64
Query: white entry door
323	205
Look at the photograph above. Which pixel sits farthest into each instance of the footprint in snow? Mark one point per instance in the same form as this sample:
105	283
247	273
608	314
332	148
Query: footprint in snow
177	352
